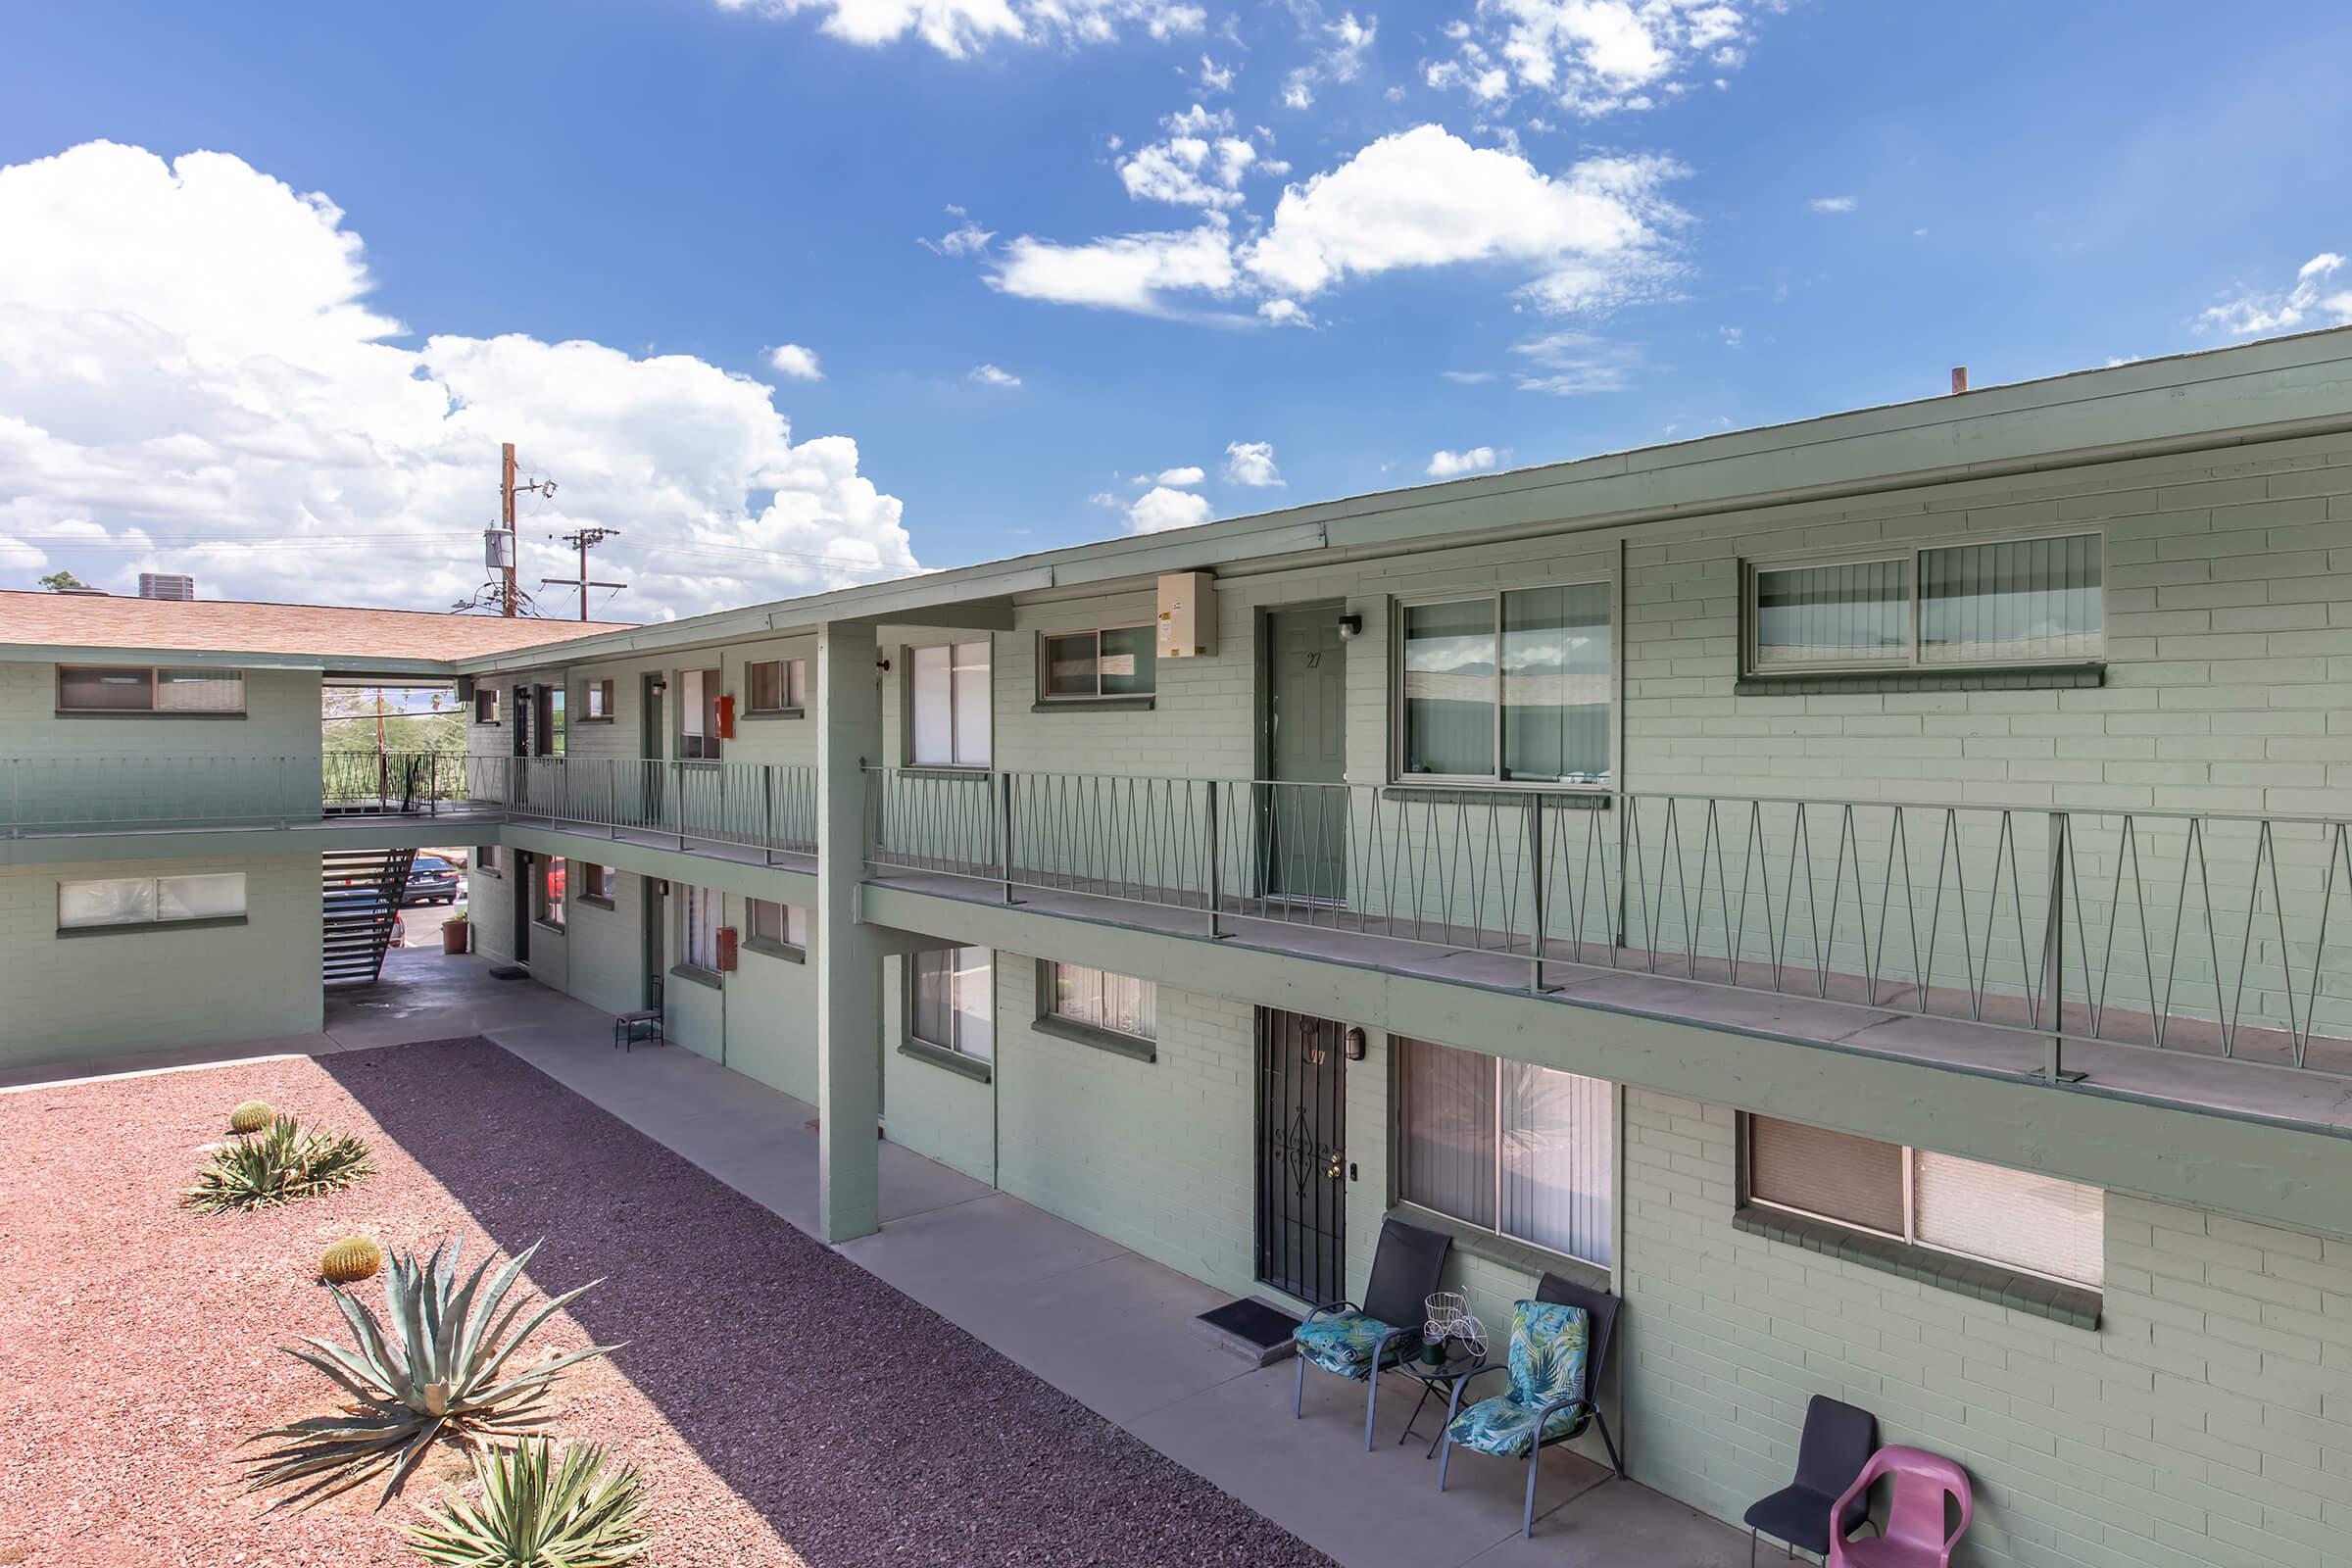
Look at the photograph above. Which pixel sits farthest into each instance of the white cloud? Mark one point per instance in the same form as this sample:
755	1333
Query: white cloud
1251	463
1732	337
1833	204
966	238
989	376
960	27
192	379
1453	464
1161	508
1571	363
1215	78
790	358
2254	311
1123	272
1188	475
1340	50
1284	313
1468	378
1200	163
1591	57
1426	198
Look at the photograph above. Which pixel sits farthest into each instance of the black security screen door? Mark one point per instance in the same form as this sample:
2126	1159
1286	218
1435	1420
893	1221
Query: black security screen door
1301	1155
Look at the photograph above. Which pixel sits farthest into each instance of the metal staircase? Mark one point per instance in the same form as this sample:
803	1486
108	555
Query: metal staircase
360	896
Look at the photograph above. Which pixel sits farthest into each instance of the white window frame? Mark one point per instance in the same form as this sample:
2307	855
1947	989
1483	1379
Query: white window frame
1049	1000
1908	1236
1045	663
155	920
913	689
1908	556
1494	595
957	1011
791	680
791	923
154	674
1614	1164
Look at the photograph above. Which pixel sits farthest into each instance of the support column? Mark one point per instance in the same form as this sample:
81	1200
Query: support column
849	957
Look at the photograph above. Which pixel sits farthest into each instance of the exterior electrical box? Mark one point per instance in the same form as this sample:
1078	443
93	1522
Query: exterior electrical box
1188	616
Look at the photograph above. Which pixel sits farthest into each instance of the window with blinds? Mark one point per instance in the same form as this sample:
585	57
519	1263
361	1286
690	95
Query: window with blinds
1100	1000
949	701
109	689
2033	1223
2006	602
1512	1147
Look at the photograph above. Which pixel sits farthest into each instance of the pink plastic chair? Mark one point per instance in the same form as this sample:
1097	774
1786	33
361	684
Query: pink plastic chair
1914	1536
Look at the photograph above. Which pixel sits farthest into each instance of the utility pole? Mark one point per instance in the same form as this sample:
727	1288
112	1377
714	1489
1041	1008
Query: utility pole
506	520
584	541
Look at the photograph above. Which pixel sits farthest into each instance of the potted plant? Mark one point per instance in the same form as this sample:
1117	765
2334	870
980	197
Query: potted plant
455	931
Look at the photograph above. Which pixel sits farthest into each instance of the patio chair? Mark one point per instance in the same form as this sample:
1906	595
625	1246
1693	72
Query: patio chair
1358	1342
1837	1442
1914	1535
1559	1349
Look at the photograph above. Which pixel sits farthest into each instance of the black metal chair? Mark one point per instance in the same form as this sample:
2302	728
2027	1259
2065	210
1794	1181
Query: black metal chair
1582	1407
1837	1442
1359	1341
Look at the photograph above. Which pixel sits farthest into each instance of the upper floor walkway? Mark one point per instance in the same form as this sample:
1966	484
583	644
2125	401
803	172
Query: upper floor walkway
2197	959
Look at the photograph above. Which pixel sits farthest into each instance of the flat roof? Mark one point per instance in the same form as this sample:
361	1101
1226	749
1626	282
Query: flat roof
330	636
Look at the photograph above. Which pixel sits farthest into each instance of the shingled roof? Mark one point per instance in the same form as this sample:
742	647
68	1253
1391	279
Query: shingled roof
338	633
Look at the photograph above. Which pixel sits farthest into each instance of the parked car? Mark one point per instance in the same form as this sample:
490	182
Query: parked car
432	880
362	901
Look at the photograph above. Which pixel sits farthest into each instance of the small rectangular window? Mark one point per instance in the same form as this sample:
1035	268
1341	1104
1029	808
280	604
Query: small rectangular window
551	702
951	1002
948	690
109	689
701	911
2019	1219
2005	602
1114	662
1523	1150
1100	1000
784	924
596	882
698	715
600	700
150	899
779	685
485	857
485	704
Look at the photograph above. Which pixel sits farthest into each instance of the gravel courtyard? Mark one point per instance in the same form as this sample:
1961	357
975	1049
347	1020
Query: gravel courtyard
786	1407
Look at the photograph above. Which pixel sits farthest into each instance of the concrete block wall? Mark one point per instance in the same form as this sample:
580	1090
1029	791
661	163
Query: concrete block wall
931	1109
603	948
772	1013
1156	1155
85	998
2207	1421
281	719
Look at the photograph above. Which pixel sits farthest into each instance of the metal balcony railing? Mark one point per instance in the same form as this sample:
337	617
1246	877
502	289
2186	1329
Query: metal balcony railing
2225	935
757	804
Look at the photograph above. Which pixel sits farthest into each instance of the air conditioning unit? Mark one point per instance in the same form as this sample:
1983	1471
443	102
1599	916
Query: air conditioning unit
1188	616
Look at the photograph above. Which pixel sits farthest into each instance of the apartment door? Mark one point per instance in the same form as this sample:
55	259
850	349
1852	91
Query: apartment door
652	738
1302	810
655	939
525	891
1301	1155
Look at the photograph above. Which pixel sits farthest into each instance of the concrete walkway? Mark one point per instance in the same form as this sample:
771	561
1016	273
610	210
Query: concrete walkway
1104	1325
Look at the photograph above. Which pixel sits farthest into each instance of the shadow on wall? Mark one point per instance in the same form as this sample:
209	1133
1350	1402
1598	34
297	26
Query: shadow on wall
863	1427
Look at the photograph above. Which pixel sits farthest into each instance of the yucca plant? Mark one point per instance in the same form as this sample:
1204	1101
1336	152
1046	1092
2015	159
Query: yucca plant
278	1165
431	1369
539	1511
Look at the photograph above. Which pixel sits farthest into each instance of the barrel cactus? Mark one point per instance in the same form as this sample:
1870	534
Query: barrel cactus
349	1260
251	1117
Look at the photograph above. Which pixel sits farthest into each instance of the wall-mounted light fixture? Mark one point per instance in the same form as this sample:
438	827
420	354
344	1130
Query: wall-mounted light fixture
1355	1043
882	664
1351	627
659	685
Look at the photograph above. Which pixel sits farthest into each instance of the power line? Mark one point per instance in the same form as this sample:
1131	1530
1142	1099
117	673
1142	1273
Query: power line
585	540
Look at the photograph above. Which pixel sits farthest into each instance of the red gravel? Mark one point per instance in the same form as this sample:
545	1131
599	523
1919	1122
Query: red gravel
786	1407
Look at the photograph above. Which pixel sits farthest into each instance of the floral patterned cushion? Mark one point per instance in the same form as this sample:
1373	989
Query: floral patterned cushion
1344	1342
1547	1363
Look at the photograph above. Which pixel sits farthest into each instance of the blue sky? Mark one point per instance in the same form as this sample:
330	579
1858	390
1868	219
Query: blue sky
1514	233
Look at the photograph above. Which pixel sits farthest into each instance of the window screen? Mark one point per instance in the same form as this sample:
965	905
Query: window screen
93	690
2016	1217
1104	1001
200	691
1835	1175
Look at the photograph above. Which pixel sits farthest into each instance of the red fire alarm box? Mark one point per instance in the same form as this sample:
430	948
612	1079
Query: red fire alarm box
726	950
726	718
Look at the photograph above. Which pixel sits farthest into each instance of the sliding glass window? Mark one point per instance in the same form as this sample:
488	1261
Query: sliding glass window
1509	687
2007	602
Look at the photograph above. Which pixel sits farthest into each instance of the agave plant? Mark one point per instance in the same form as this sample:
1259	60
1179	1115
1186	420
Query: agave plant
539	1511
433	1368
278	1165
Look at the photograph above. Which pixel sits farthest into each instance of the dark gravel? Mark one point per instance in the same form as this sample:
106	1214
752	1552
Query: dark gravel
787	1407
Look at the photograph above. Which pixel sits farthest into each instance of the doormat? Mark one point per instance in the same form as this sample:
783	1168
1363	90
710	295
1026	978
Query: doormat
1252	1329
508	971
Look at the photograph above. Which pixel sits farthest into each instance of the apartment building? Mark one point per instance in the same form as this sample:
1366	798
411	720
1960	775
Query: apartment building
1873	893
